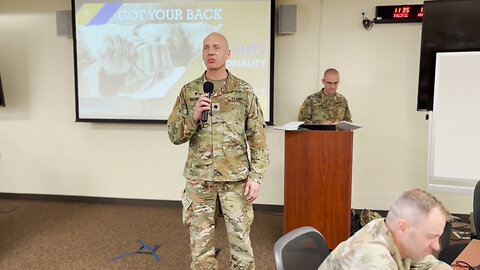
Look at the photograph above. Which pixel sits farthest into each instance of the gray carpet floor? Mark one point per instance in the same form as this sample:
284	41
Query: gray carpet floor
38	234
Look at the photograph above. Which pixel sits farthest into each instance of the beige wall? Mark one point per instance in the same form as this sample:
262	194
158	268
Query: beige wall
43	150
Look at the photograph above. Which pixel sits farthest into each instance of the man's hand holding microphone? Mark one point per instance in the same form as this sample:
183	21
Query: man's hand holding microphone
203	103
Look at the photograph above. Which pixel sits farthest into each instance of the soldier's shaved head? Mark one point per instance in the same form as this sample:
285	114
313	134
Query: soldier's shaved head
215	54
414	204
330	71
416	221
216	34
331	79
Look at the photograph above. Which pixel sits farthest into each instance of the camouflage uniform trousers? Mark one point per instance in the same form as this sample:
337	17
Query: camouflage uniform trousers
199	213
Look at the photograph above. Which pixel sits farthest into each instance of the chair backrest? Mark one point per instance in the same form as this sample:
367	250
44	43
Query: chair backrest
303	248
445	237
476	209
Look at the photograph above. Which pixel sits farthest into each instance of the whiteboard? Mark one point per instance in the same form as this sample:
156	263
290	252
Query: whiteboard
454	149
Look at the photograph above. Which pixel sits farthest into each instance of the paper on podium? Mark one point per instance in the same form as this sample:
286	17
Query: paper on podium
299	125
344	125
290	126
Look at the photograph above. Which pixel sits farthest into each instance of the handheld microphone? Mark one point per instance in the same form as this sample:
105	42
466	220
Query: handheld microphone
207	88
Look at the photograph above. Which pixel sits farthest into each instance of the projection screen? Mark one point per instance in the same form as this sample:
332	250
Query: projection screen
133	57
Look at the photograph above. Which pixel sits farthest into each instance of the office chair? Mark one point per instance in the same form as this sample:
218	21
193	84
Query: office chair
303	248
445	237
476	209
449	253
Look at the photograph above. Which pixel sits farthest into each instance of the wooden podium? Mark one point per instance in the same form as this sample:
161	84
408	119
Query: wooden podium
318	182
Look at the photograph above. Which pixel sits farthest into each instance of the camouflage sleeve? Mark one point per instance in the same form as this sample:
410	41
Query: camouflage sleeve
431	263
364	257
305	113
348	115
181	125
255	132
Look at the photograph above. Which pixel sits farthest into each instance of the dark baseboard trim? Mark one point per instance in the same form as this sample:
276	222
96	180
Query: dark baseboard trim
138	202
276	209
88	199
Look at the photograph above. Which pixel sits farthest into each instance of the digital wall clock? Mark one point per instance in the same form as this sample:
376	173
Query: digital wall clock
399	14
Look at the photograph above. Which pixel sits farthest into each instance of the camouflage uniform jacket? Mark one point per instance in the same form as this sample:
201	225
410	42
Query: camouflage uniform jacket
373	247
218	148
319	107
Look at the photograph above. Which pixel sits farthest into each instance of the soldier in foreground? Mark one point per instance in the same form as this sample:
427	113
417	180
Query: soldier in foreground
217	161
404	240
326	106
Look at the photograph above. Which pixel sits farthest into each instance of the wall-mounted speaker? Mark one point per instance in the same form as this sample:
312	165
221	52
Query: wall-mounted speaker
64	23
287	19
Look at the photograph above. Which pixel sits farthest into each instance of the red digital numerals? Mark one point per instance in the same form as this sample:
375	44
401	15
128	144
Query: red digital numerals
401	12
404	12
420	13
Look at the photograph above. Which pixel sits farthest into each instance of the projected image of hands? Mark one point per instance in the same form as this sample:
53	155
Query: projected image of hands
116	54
142	61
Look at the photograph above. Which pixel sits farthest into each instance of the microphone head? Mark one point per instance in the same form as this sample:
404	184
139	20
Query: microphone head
208	87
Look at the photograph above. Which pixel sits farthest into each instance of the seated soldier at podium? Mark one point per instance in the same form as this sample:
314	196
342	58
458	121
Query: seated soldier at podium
403	240
326	106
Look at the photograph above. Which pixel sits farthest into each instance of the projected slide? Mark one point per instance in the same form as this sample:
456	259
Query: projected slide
132	58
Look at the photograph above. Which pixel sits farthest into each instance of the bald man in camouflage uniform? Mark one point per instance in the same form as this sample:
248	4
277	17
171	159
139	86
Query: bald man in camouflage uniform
326	106
404	240
218	162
